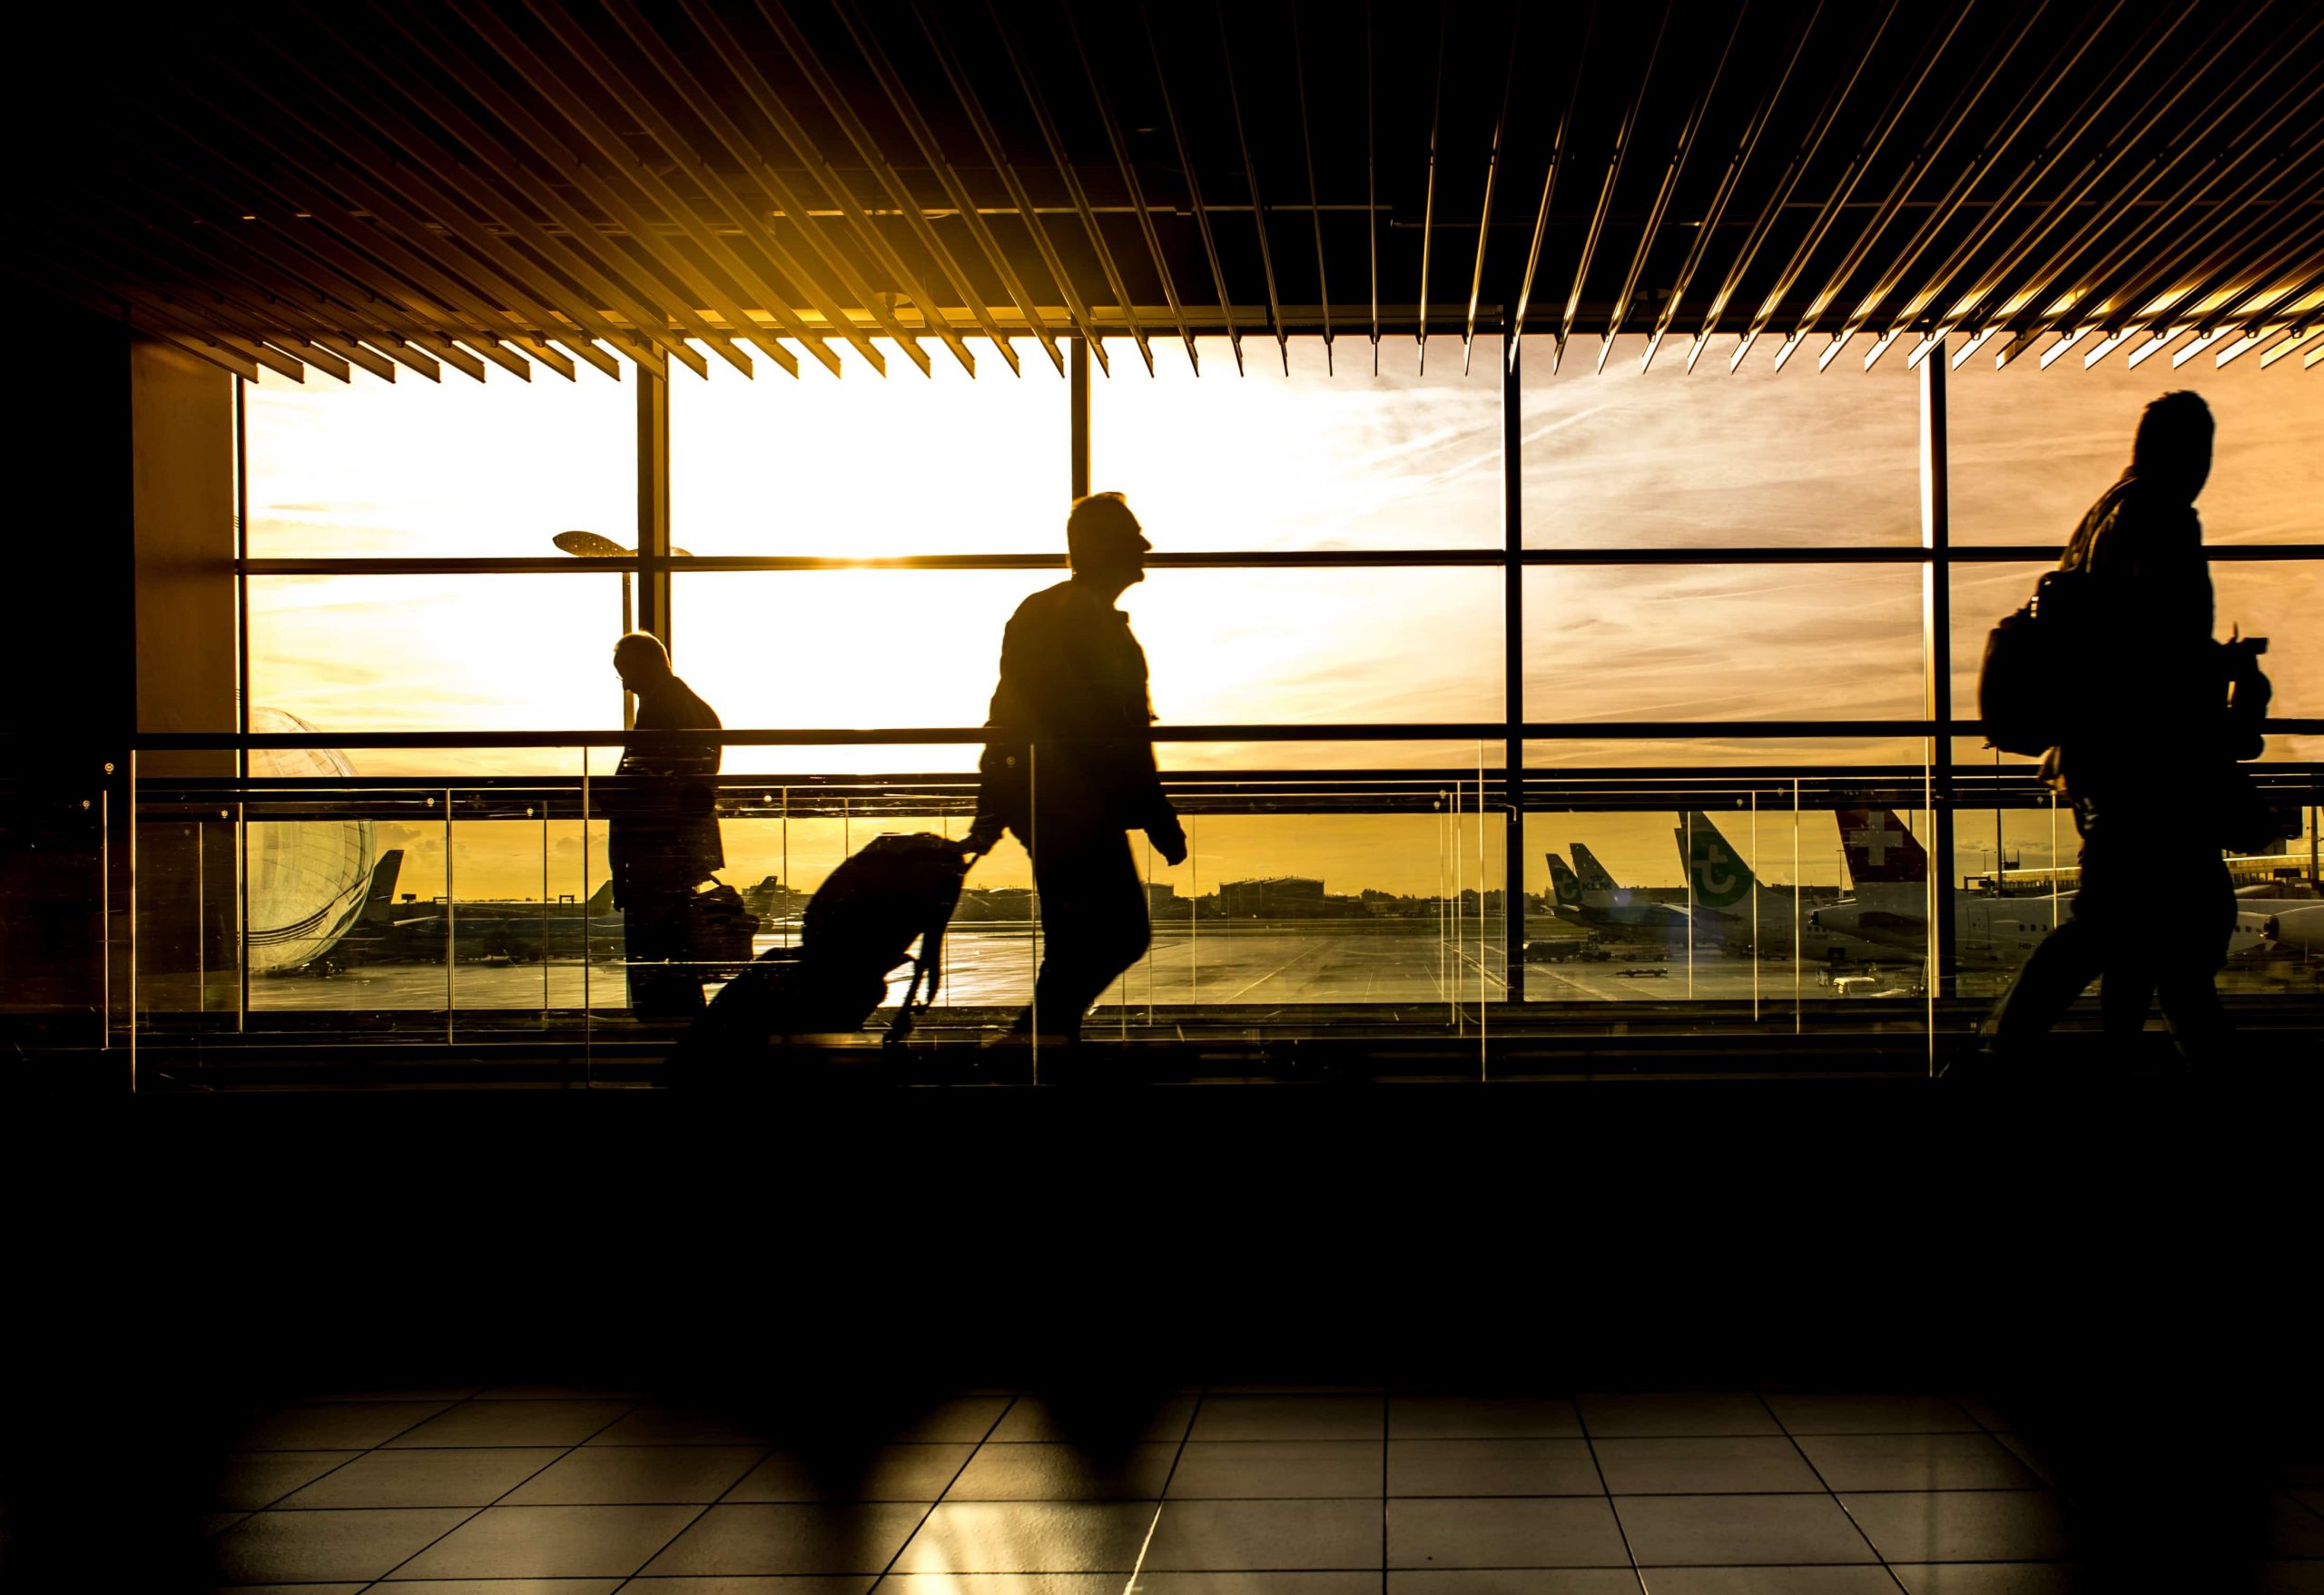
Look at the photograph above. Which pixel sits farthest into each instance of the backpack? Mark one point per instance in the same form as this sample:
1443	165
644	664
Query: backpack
859	926
2032	658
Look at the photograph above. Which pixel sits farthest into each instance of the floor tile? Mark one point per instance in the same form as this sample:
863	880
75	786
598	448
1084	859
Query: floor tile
218	1522
1310	1581
748	1584
1732	1530
791	1538
1452	1417
892	1473
354	1425
967	1418
1652	1415
550	1542
1963	1525
1039	1470
509	1586
2017	1447
1724	1464
1768	1581
298	1547
1236	1536
1988	1578
1916	1462
513	1422
638	1475
477	1476
2290	1578
1819	1414
249	1480
1549	1532
1254	1469
1513	1582
354	1589
652	1425
1001	1584
1492	1467
1036	1418
2309	1496
1289	1417
2293	1531
1029	1537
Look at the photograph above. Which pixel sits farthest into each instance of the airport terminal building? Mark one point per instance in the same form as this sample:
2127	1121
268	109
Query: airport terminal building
1584	453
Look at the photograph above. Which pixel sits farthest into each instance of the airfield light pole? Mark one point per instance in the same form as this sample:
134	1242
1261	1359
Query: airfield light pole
594	545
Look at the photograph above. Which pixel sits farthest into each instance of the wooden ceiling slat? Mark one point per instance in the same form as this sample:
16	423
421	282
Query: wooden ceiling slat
728	49
1072	182
407	184
963	202
637	103
988	136
1114	141
900	195
594	131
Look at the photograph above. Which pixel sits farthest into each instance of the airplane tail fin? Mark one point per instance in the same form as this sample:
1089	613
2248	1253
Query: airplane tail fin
1714	872
1593	874
1880	851
601	901
1561	878
378	898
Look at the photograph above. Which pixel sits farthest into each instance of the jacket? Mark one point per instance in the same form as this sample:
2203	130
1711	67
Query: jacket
662	828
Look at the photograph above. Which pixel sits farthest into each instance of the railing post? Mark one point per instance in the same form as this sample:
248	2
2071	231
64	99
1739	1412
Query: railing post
1512	644
1936	668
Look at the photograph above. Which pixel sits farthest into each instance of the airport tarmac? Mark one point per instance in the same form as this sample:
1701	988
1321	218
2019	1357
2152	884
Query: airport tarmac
1398	965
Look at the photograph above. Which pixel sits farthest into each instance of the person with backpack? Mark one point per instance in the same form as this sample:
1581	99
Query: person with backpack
662	837
2146	746
1069	767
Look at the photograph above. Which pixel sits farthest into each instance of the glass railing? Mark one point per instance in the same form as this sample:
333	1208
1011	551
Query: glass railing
465	922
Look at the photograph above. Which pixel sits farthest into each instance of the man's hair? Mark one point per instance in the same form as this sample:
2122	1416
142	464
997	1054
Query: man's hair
1100	529
2174	436
637	643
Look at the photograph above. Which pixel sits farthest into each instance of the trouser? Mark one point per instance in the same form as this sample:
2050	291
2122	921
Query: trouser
663	983
2152	917
1094	923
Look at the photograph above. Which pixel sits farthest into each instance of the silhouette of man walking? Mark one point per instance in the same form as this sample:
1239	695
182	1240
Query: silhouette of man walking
2148	764
662	833
1070	769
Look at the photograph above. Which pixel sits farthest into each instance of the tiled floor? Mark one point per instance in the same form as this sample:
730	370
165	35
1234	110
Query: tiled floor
528	1491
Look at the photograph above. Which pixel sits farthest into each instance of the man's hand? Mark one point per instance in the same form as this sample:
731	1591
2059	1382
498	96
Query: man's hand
984	835
1169	839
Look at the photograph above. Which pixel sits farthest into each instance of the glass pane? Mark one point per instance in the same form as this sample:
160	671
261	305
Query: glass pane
2030	448
866	465
1795	641
2277	600
450	470
1314	459
439	653
871	648
1758	457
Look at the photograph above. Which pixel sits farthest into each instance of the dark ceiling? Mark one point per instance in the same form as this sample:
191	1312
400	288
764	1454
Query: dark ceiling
432	182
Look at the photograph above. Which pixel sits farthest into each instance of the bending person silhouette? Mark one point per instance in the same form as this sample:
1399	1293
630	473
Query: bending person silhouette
1071	770
662	833
2147	765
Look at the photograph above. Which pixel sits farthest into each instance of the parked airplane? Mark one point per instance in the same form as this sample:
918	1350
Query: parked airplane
393	932
1890	903
1590	897
1769	919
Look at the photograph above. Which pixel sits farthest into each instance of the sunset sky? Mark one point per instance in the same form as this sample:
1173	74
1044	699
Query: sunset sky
948	464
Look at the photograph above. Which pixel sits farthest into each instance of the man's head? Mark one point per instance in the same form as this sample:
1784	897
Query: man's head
2174	447
1103	542
640	660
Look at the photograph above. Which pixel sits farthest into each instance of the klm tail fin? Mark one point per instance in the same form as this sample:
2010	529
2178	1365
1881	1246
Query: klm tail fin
1562	882
1880	851
378	898
1715	872
1593	874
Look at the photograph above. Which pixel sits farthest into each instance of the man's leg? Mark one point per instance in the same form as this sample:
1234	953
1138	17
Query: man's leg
2058	971
655	929
1094	926
2192	942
